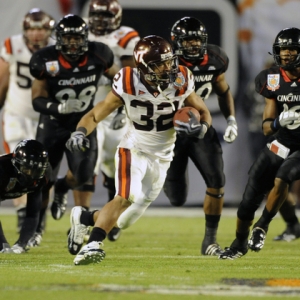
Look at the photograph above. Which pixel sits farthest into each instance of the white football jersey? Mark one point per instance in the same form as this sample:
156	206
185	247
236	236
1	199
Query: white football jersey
122	42
151	113
18	98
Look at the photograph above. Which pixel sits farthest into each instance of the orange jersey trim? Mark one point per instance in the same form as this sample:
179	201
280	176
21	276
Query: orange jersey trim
124	176
123	42
128	86
8	46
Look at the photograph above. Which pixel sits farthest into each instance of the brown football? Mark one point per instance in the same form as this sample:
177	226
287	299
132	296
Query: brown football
183	114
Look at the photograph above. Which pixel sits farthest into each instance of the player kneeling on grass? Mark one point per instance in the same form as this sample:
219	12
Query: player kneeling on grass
151	93
277	165
23	172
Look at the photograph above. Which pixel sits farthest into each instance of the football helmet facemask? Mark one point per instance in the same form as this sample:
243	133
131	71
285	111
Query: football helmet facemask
287	38
105	16
30	158
189	38
37	19
72	36
154	58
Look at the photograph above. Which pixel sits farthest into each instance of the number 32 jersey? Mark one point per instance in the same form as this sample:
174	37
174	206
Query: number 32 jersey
151	113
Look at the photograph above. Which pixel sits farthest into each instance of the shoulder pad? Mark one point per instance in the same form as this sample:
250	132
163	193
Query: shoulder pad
37	64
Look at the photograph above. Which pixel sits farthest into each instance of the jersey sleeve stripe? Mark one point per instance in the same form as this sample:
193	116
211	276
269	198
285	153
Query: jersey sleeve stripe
8	46
124	175
123	42
128	86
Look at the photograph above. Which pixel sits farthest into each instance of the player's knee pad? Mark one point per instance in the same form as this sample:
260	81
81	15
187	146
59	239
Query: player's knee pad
215	195
176	191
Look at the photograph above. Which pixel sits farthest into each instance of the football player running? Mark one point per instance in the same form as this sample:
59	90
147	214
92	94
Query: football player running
278	164
67	76
19	119
23	173
207	61
105	17
152	92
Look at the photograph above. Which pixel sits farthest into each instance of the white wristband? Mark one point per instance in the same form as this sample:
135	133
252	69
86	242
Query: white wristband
230	118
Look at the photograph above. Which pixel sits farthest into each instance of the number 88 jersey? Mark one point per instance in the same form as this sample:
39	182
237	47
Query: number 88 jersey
72	80
151	112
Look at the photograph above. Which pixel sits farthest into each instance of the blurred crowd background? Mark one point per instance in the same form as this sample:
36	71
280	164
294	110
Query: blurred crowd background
245	29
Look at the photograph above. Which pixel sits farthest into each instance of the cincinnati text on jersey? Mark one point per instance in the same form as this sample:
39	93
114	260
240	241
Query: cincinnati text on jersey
77	81
288	98
200	78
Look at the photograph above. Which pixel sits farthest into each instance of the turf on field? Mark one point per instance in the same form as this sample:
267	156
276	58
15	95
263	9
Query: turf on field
157	258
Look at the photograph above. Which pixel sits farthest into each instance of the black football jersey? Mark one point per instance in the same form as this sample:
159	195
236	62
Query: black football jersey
273	83
206	71
72	80
10	187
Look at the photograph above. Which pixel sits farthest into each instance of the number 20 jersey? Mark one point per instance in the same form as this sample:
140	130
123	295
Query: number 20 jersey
206	71
151	113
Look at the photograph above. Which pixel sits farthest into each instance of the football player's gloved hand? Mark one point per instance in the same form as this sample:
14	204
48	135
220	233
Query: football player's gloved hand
77	142
118	121
231	131
287	117
193	128
70	106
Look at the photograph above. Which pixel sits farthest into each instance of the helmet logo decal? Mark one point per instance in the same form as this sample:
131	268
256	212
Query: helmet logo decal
52	67
138	55
273	82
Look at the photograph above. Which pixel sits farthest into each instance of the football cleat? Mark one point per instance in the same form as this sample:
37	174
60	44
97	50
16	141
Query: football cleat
90	253
35	240
16	249
114	234
257	239
77	232
232	253
213	250
59	204
291	233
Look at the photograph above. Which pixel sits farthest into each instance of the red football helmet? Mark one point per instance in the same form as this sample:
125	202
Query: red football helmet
150	52
37	19
105	16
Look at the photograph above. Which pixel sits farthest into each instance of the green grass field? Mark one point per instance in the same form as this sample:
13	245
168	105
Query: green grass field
157	258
